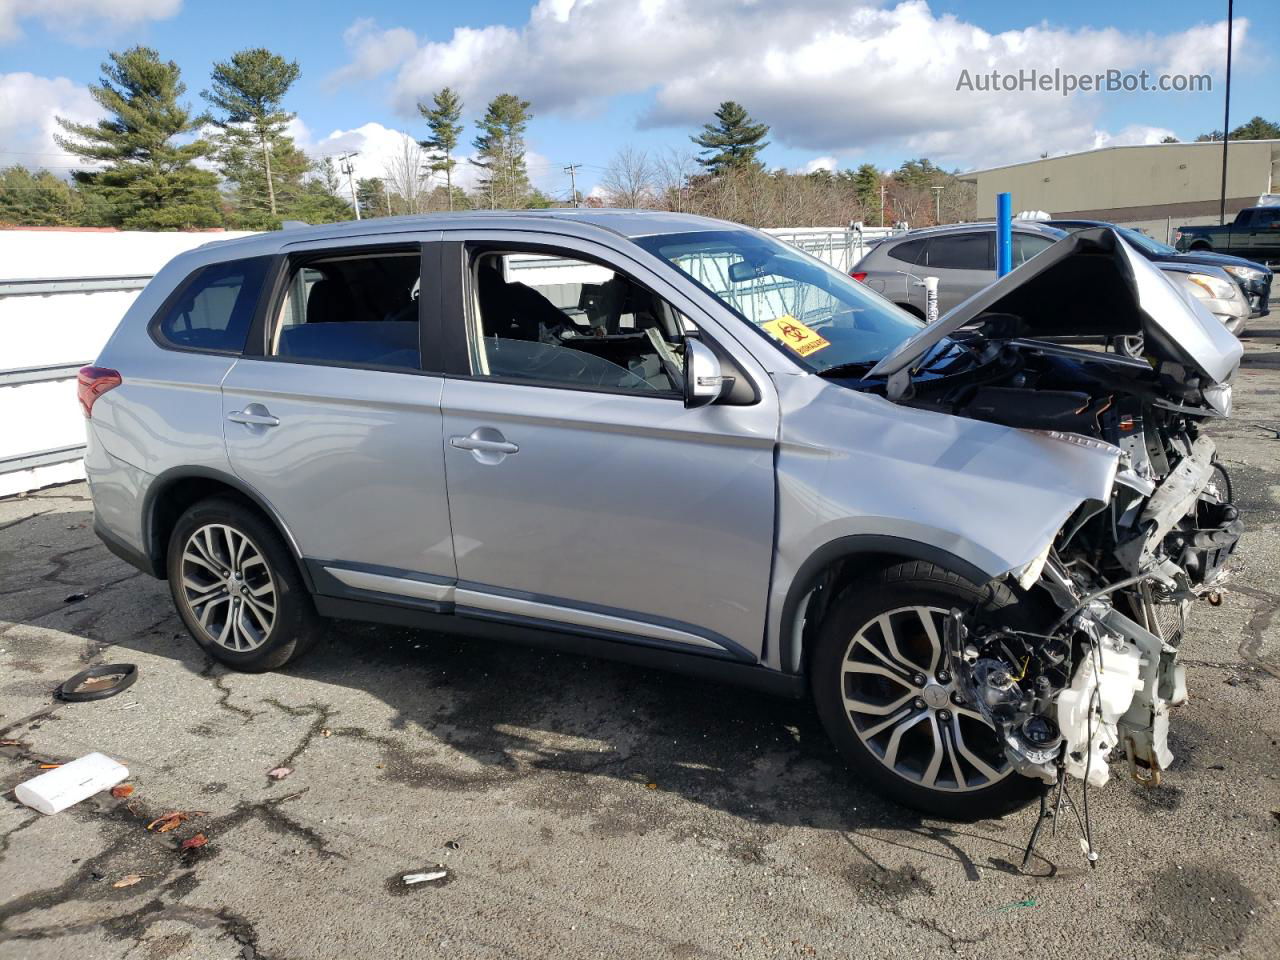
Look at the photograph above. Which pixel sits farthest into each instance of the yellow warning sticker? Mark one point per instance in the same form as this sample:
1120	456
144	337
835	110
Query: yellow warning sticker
794	334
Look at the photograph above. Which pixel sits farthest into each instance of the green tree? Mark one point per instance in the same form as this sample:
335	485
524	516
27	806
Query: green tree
249	90
374	198
733	141
1170	139
147	182
866	186
38	199
444	120
244	169
500	150
1256	129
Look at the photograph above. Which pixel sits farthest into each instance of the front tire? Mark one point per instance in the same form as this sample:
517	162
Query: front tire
237	588
880	681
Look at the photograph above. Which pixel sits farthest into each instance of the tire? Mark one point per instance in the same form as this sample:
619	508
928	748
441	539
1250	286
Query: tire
1130	346
274	620
854	661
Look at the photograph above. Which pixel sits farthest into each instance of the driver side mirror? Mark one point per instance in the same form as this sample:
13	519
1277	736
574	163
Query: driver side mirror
703	381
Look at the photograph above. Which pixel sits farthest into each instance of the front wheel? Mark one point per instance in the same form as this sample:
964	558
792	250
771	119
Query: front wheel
882	686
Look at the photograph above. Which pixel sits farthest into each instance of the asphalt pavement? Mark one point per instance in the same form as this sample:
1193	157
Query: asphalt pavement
583	808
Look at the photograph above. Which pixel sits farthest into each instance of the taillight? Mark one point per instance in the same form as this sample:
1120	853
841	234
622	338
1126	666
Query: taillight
860	277
93	382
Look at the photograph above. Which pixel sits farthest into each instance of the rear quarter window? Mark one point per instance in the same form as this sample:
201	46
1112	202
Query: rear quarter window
214	307
908	252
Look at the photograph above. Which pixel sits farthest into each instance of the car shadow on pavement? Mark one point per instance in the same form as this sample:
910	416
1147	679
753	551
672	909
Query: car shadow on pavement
569	732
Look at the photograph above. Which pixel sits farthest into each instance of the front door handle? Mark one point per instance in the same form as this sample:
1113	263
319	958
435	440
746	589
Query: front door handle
254	415
486	444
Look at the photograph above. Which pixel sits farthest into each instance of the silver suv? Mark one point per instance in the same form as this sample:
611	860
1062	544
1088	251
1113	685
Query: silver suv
682	443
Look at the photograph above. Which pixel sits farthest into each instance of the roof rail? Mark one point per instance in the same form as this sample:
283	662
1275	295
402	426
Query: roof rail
293	224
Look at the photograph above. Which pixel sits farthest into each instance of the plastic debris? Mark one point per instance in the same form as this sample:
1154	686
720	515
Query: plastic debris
75	598
1017	905
279	773
122	791
70	783
98	683
427	876
171	820
128	881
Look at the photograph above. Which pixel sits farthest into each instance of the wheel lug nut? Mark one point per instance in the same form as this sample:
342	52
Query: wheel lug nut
957	699
944	715
920	679
919	703
944	677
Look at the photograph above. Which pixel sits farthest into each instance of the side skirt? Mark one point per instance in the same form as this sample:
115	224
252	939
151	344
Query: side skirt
718	669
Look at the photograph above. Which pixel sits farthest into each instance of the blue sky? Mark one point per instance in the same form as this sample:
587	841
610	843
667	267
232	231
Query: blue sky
842	83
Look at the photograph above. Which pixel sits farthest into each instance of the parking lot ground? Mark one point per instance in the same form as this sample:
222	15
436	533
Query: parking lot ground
582	808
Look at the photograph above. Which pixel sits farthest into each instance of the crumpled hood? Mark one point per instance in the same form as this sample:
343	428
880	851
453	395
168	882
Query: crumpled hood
1090	283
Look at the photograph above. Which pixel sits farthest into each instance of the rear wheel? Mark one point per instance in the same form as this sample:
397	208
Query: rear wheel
237	588
883	689
1131	346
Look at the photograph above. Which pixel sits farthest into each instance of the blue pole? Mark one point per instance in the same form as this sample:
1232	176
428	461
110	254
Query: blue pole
1004	233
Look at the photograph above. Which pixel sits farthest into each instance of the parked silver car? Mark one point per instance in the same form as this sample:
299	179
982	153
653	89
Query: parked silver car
962	257
682	443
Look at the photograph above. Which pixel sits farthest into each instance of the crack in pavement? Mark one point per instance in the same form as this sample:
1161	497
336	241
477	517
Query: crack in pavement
1252	640
224	692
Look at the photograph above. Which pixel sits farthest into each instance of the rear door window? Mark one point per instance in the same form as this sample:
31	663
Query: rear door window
963	251
352	309
214	309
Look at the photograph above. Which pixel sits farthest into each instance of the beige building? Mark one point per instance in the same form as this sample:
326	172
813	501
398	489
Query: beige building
1153	186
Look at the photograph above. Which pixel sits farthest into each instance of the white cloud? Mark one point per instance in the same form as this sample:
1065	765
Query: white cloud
819	163
29	106
828	75
78	17
376	145
373	51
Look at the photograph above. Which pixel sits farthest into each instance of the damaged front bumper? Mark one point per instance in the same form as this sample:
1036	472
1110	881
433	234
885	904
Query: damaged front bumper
1100	682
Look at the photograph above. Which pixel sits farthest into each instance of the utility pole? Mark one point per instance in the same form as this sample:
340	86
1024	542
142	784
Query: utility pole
386	195
882	192
1226	120
344	164
572	170
937	204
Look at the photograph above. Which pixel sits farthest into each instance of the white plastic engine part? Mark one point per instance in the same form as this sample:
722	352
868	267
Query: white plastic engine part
1115	672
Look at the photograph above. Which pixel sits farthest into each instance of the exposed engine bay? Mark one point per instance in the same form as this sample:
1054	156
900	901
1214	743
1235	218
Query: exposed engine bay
1119	578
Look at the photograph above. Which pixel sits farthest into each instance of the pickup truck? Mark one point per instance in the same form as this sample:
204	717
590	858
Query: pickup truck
1255	234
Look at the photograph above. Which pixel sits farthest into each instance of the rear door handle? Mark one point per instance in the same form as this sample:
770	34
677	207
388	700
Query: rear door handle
255	414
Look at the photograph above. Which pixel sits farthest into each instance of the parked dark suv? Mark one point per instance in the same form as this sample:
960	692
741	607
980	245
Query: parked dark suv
1253	278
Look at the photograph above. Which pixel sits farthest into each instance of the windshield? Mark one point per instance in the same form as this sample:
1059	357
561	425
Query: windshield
822	318
1143	242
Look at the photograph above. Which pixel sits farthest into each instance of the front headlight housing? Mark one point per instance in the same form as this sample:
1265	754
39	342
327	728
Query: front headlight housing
1247	274
1208	287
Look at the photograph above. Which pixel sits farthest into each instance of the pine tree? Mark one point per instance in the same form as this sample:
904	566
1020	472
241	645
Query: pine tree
249	90
38	199
866	185
733	141
147	181
500	152
444	122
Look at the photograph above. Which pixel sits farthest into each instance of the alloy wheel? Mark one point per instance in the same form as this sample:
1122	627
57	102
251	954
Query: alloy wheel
907	710
228	587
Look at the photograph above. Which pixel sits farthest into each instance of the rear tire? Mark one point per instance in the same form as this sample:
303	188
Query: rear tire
880	681
237	588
